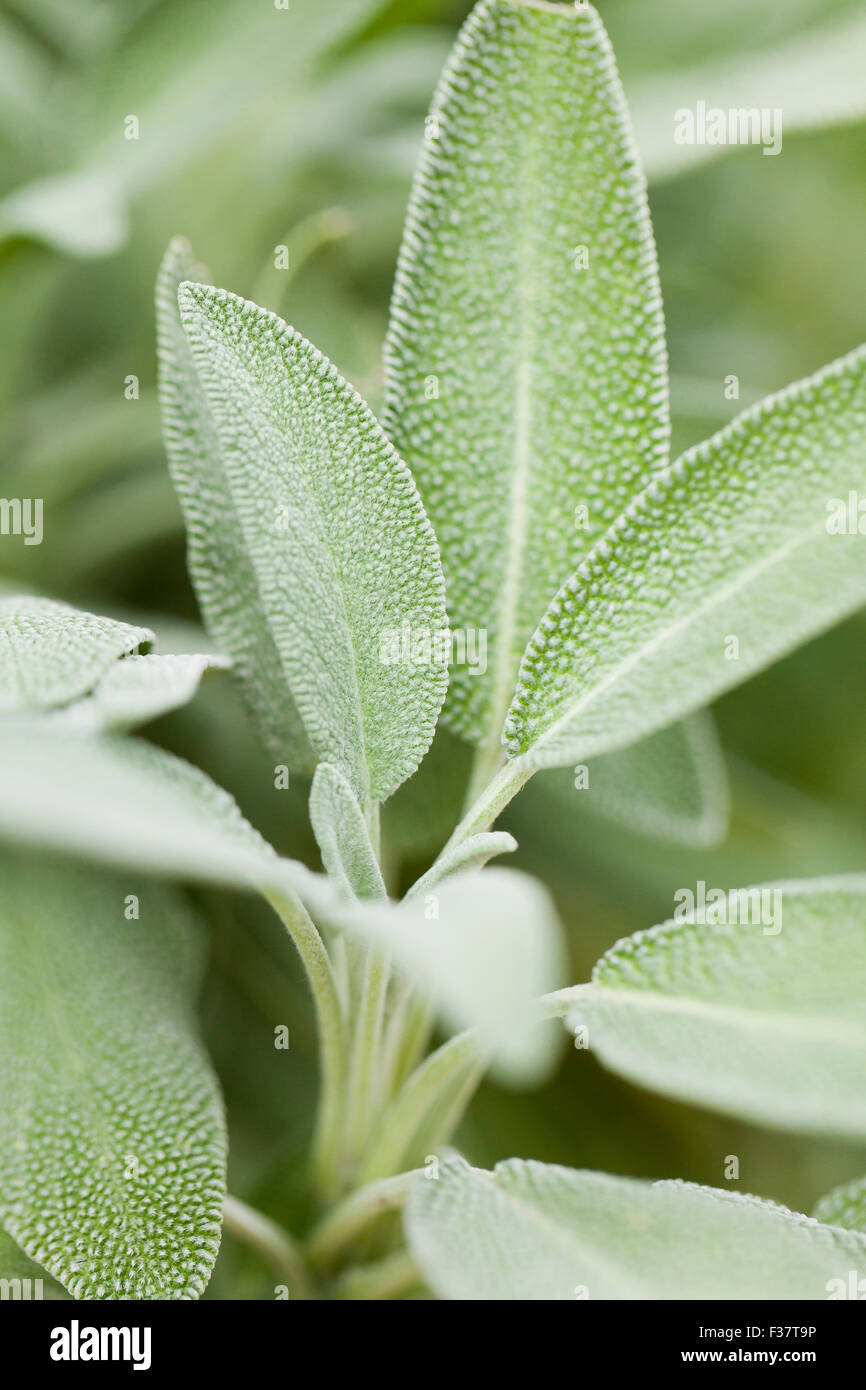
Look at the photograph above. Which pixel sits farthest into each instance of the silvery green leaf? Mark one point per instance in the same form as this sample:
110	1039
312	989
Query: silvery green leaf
139	689
537	1231
526	379
343	836
221	566
844	1206
750	1003
672	785
112	1165
325	521
472	853
51	654
728	560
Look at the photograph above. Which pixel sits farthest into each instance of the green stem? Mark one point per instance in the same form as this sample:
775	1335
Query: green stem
386	1278
354	1214
487	762
364	1075
269	1240
326	1151
491	802
423	1090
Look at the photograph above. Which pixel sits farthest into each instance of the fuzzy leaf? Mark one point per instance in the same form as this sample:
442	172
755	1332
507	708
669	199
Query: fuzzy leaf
51	654
844	1206
522	384
755	1009
536	1231
720	567
139	689
335	551
112	1165
342	835
672	785
472	853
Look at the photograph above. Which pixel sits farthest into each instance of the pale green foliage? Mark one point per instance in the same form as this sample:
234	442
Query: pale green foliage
473	853
342	835
139	689
332	536
550	376
729	545
758	1014
844	1206
51	654
115	1178
538	1231
672	785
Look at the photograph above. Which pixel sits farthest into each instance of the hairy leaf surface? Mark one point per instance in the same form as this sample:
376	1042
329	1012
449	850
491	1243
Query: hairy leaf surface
533	1230
526	380
722	565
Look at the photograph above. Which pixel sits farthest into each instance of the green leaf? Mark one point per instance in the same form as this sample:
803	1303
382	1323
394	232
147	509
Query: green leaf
845	1206
536	1231
522	385
672	785
473	853
139	689
332	534
113	1155
342	835
51	654
721	566
751	1004
25	1280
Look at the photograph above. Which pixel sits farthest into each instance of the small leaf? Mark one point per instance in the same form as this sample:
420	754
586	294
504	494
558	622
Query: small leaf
526	372
342	835
112	1165
139	689
336	556
672	785
845	1206
751	1004
726	562
51	654
472	853
536	1231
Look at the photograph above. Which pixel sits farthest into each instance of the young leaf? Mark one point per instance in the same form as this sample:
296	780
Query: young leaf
844	1206
729	559
51	654
112	1169
337	558
751	1004
473	853
533	1230
137	690
526	373
342	835
672	785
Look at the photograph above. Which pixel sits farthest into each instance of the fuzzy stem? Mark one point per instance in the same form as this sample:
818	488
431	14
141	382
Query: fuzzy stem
269	1240
364	1071
354	1214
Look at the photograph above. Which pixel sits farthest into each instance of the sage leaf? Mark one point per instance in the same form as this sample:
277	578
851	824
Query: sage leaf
533	1231
526	375
342	835
51	654
340	560
113	1156
472	853
844	1206
732	557
138	689
751	1003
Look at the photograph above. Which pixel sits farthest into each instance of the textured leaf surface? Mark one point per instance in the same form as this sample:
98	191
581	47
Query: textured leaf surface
672	785
113	1154
758	1018
334	543
51	654
730	545
522	384
139	689
538	1231
14	1265
473	853
342	835
844	1206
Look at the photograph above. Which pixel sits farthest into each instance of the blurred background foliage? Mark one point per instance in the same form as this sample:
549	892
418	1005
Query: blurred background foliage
261	127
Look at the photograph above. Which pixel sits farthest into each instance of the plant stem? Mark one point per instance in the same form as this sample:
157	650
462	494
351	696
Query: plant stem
364	1070
354	1214
385	1278
422	1091
269	1240
491	802
326	1150
488	759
